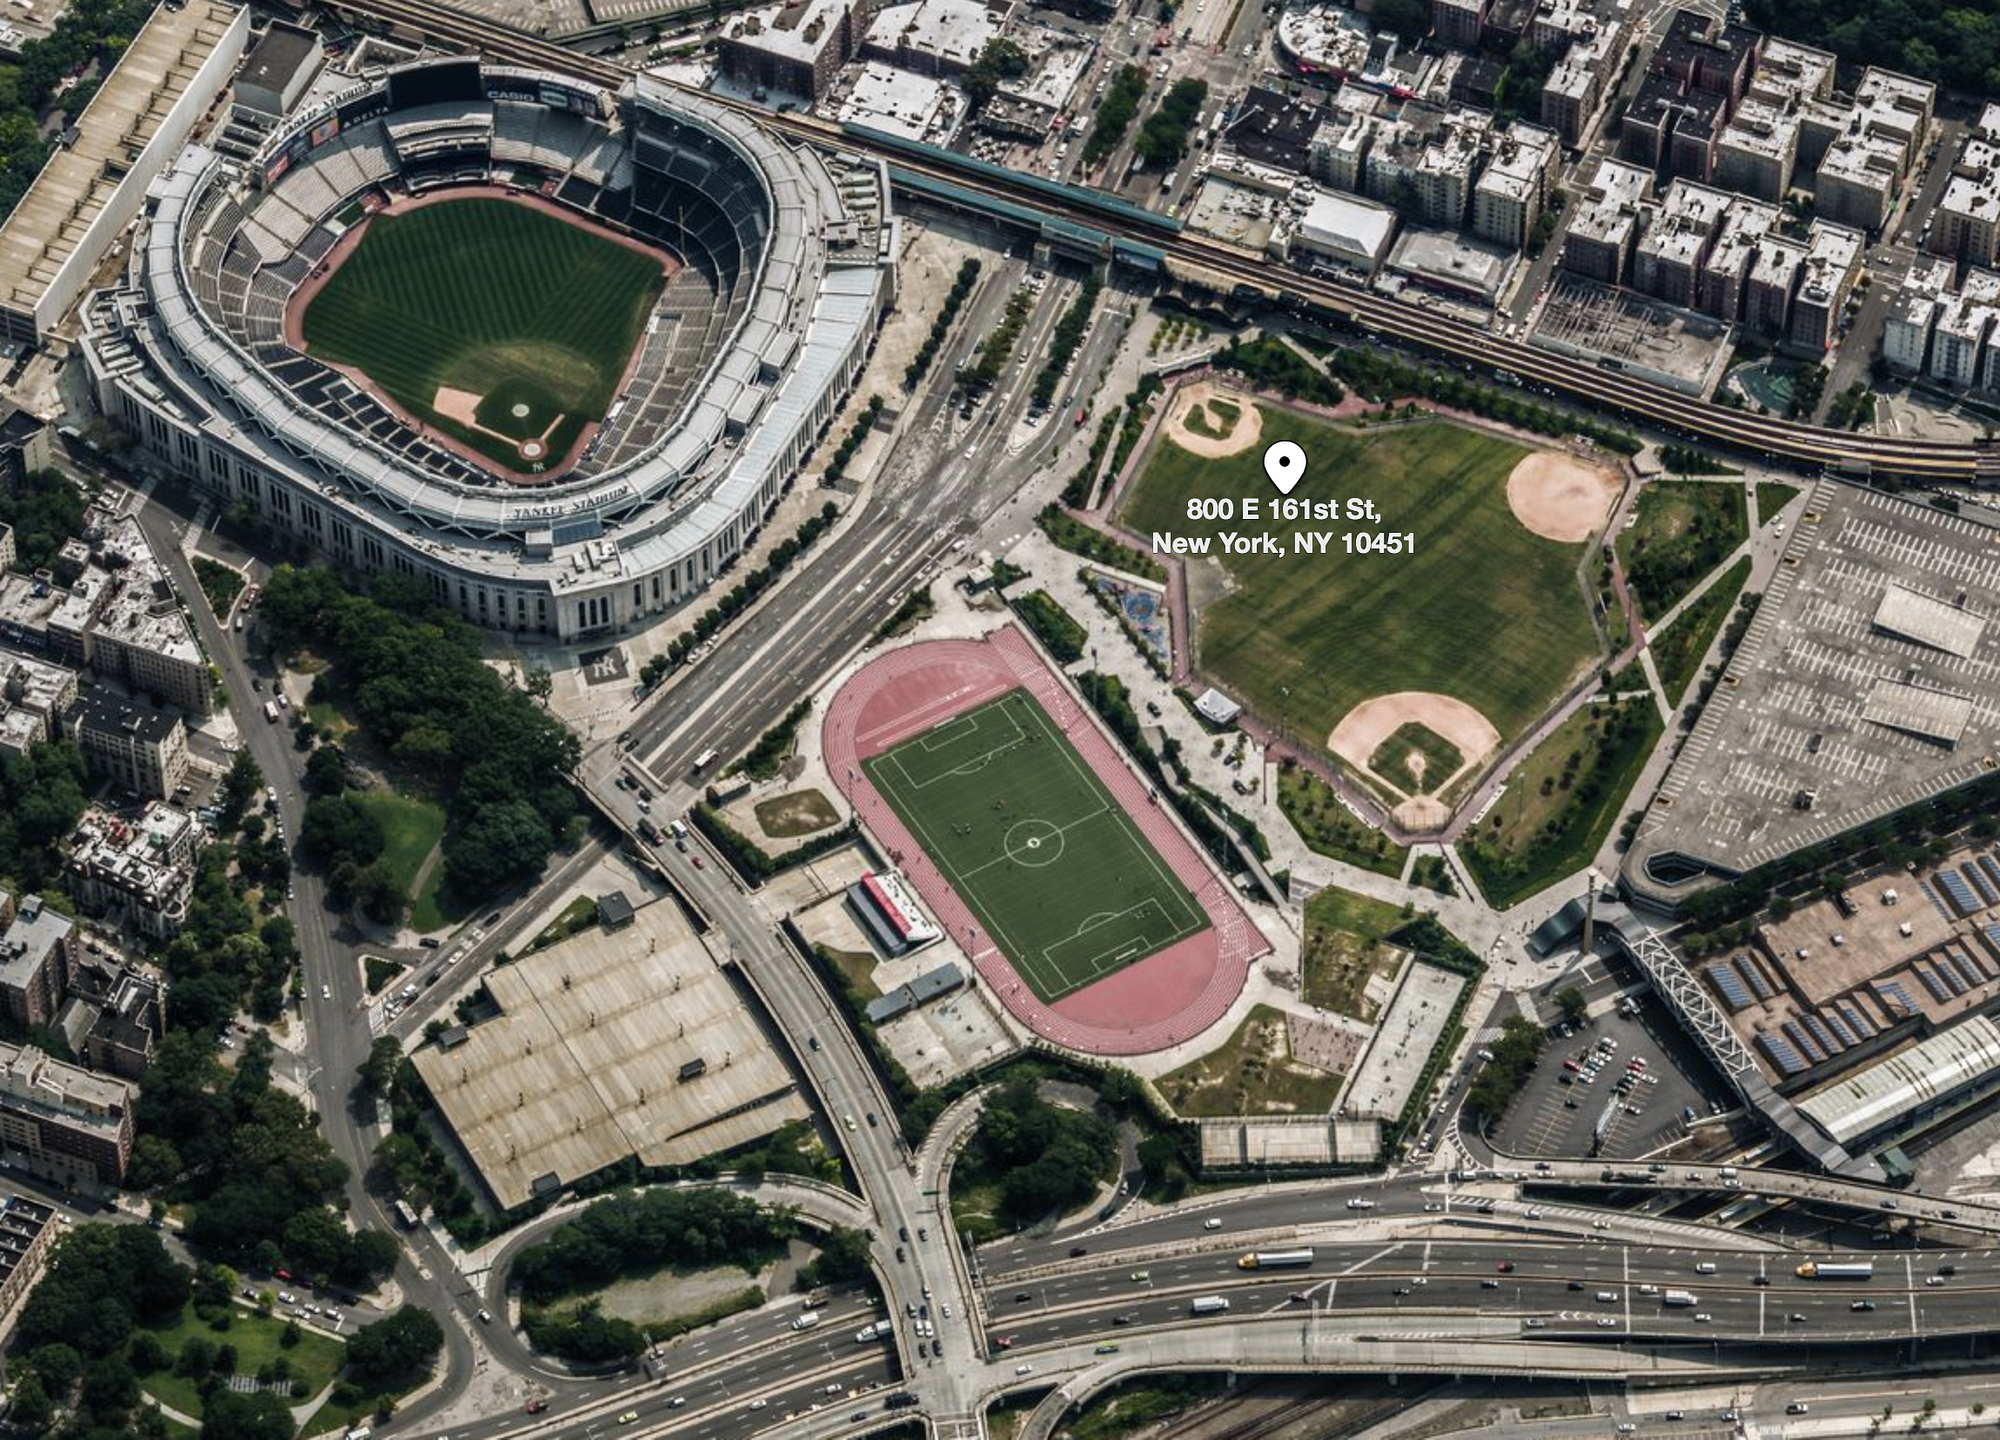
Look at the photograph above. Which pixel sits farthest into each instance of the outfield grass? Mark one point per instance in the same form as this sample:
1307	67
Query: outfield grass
1484	610
535	316
1678	652
410	828
1042	855
1345	944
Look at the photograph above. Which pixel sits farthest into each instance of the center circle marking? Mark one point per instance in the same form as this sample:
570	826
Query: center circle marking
1033	843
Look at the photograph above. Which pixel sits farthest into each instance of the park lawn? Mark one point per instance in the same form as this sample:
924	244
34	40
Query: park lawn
411	829
1029	837
1512	855
335	1419
579	915
795	813
1346	943
1251	1074
1329	828
859	968
1678	651
317	1357
1773	496
532	315
1483	610
220	585
1682	530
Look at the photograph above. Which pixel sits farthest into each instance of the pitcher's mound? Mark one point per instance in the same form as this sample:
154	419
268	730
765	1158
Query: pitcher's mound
1362	730
1559	497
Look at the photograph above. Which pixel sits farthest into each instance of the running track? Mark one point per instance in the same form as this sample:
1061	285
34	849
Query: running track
1157	1002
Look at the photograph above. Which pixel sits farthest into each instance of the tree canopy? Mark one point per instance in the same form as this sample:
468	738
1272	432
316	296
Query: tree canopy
102	1281
1956	45
395	1346
643	1232
418	686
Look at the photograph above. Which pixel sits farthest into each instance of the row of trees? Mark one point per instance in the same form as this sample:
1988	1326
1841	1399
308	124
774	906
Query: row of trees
1062	345
1114	113
998	347
954	298
1054	626
418	685
1374	373
1163	139
836	469
743	593
1273	364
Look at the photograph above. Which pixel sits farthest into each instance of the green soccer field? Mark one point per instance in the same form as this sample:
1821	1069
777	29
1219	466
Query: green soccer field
532	318
1484	610
1035	846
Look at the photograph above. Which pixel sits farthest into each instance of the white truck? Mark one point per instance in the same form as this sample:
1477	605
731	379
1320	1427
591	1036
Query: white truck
1678	1297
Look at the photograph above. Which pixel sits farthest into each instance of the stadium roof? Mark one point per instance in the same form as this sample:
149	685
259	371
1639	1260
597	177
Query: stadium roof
1933	714
1929	621
79	180
1924	1074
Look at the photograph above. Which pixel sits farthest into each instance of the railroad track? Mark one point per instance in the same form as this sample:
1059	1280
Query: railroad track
1806	446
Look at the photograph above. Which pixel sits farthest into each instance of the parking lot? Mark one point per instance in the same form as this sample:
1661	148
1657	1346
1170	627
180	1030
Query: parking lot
1562	1106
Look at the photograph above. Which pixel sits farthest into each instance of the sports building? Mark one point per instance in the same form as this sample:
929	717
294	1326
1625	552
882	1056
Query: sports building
785	267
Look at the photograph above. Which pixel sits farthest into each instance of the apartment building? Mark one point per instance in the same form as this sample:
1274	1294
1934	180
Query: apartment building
1512	189
62	1121
137	872
37	953
1668	259
136	745
1605	226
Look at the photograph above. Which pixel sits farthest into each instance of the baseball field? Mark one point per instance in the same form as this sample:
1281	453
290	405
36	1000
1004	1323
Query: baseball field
1485	611
492	321
1033	843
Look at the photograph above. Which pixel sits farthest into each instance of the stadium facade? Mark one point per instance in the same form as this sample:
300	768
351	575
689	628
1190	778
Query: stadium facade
789	268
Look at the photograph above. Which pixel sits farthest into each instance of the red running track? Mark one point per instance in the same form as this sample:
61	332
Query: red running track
1163	999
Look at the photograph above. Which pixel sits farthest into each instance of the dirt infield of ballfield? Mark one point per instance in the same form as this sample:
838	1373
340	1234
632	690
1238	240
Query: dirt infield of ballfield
1560	497
1249	421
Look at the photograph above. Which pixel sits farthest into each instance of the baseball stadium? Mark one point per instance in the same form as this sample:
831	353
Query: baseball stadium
556	350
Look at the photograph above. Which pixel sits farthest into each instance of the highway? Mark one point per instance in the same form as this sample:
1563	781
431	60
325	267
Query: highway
1688	417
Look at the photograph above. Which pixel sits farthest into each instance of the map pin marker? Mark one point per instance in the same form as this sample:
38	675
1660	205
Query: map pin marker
1285	463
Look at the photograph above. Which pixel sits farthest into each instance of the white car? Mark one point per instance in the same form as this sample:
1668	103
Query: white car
1211	1224
1361	1204
1024	1369
326	992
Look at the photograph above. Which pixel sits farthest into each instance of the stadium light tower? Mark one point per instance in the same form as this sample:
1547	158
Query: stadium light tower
1590	913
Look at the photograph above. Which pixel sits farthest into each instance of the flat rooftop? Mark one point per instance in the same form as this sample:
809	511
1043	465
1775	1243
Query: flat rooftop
78	181
1682	348
1790	750
610	1044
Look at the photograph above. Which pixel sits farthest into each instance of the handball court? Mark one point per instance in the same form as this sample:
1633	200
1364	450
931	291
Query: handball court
1146	1005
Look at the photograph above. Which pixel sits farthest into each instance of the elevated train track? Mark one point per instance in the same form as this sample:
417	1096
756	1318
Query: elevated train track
1806	446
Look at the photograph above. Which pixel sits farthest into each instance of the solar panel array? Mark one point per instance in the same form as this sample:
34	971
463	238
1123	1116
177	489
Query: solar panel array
1895	998
1753	976
1728	984
1979	882
1856	1018
1931	895
1958	892
1802	1042
1781	1054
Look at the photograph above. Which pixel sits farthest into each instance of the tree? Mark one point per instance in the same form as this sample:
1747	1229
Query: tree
240	784
395	1346
500	844
379	1068
340	830
326	771
31	1410
843	1255
230	1415
1574	1007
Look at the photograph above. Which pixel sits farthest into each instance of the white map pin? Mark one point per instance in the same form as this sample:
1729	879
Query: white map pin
1285	463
